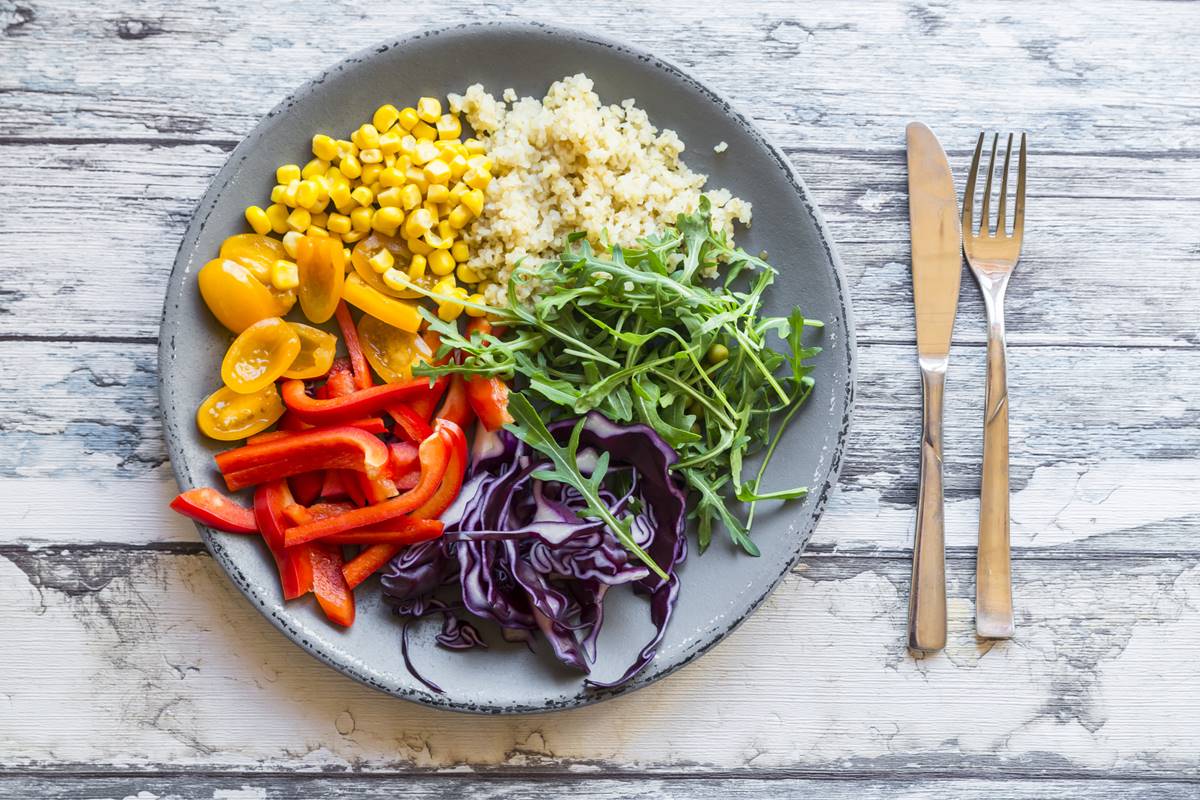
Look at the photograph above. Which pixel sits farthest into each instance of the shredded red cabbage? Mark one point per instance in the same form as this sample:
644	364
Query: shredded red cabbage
523	557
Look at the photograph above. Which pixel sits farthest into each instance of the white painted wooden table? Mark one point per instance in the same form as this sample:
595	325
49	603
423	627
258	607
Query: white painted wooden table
129	666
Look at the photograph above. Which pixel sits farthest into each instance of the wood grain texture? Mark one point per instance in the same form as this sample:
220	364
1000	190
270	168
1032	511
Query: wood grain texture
151	678
154	660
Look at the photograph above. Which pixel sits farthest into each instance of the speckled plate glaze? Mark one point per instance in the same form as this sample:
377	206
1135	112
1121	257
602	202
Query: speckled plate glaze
720	588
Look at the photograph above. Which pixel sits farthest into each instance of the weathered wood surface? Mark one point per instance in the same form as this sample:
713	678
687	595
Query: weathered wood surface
132	668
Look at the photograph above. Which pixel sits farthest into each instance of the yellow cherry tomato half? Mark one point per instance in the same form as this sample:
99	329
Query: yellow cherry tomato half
391	351
236	297
317	349
259	355
228	415
322	266
400	314
255	252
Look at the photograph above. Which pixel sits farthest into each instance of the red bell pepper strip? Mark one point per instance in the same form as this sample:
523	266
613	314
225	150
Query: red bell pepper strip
209	507
353	488
340	410
488	396
409	424
340	381
368	424
299	514
333	488
456	407
434	456
404	456
402	531
323	448
376	490
295	568
329	584
306	487
358	361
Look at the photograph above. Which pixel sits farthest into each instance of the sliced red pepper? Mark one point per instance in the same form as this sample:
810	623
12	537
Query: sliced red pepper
364	402
488	396
368	424
456	407
306	487
333	488
209	507
299	514
434	456
425	405
329	584
376	490
341	447
353	488
368	562
295	568
409	423
404	456
402	530
358	361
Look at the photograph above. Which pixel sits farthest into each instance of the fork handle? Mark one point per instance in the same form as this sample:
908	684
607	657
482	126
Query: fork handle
993	569
927	596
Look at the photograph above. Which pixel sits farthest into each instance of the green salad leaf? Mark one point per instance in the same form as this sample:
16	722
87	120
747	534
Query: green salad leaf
645	334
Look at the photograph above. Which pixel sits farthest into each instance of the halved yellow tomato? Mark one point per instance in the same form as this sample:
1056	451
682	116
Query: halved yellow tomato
391	351
255	252
236	297
401	314
228	415
366	249
322	266
259	355
317	349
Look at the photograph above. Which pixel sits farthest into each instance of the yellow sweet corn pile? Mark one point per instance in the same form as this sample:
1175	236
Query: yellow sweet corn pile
406	173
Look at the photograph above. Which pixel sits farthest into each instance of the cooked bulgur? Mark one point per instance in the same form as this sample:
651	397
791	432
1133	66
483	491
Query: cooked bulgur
568	163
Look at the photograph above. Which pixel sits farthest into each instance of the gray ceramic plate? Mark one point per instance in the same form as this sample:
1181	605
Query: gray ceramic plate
508	678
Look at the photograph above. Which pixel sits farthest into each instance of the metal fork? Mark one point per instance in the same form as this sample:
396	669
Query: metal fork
993	254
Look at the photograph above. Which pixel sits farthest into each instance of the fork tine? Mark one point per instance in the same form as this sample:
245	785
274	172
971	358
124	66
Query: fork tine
1019	220
1002	217
968	209
985	225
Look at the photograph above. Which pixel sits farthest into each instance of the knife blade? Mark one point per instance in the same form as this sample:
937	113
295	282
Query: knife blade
937	270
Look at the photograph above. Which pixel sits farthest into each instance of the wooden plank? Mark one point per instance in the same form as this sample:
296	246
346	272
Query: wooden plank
312	787
1103	458
138	201
820	74
156	662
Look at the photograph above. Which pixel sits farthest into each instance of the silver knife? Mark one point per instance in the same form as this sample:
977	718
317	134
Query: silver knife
937	269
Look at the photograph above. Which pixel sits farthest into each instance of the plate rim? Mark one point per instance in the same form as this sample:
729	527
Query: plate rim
208	202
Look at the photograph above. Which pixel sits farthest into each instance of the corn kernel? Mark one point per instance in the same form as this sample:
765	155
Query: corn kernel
338	223
287	173
289	194
389	197
291	242
394	280
306	194
360	218
278	214
457	191
340	195
258	220
475	147
285	275
416	267
429	109
389	142
451	311
299	219
424	153
460	217
350	166
425	132
477	178
324	147
446	285
278	193
385	117
346	148
480	162
419	223
433	209
387	220
437	171
467	274
319	219
415	176
363	196
448	127
438	193
417	247
371	156
403	162
410	196
474	201
389	160
391	176
408	146
458	166
351	238
435	240
314	167
408	118
382	261
375	187
460	251
366	137
317	230
370	173
475	312
445	231
441	262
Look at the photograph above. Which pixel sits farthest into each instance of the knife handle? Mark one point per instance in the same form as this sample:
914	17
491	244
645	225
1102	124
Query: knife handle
993	569
927	597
